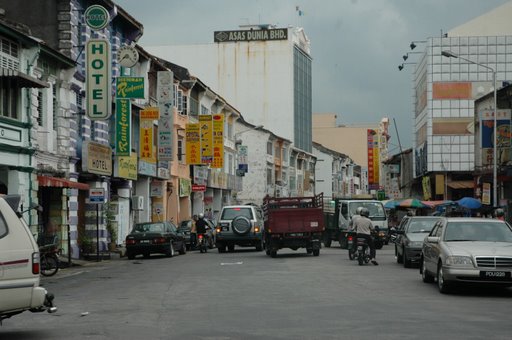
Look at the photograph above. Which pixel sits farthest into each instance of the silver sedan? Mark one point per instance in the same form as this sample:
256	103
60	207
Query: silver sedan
467	250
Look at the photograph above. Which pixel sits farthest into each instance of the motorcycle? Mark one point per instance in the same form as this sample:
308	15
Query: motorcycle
351	245
363	251
49	259
201	243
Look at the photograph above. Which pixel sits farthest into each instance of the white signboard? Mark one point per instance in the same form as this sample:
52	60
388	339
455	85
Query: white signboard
97	196
165	97
98	95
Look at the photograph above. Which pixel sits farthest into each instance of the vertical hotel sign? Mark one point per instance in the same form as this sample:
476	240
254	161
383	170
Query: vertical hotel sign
373	158
98	89
193	143
165	96
218	141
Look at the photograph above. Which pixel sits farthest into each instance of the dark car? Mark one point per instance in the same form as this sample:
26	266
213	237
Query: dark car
410	235
190	237
154	237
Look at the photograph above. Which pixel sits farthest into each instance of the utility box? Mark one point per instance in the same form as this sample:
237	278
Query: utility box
138	203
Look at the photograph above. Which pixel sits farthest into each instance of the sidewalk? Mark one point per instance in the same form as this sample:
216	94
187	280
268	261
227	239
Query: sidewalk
105	257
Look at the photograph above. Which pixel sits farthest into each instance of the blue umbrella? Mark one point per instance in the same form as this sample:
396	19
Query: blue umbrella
469	203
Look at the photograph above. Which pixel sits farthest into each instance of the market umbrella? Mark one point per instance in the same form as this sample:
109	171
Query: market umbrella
469	203
434	204
412	203
391	204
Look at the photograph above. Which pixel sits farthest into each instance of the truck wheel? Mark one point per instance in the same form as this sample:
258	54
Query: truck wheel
273	253
316	252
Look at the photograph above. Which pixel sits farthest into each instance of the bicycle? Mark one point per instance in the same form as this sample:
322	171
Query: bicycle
49	260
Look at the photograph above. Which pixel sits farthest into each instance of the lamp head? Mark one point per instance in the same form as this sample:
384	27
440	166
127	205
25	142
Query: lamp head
412	45
405	56
449	54
400	67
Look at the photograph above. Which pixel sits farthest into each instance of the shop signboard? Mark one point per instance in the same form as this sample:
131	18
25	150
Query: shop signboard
218	141
126	167
185	187
150	113
130	87
146	140
193	143
165	97
156	188
198	187
123	127
205	123
97	158
147	169
96	17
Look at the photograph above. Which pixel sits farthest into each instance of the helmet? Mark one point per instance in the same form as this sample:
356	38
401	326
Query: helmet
201	215
365	212
358	210
499	212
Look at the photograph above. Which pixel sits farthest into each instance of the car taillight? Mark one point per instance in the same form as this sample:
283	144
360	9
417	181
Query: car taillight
350	238
159	240
129	241
200	236
35	263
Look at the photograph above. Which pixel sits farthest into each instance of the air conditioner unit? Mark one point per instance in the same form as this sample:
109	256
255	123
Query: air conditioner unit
138	203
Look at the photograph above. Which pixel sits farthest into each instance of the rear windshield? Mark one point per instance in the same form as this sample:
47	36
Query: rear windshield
149	228
421	226
231	213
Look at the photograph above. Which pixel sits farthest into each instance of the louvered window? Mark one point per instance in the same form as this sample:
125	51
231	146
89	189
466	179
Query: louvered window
9	57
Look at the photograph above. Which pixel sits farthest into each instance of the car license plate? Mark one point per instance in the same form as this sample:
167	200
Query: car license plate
495	275
145	241
296	234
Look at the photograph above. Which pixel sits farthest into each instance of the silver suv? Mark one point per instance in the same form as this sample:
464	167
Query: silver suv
240	225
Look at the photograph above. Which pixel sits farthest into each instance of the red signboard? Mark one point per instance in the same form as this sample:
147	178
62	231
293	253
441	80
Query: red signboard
198	187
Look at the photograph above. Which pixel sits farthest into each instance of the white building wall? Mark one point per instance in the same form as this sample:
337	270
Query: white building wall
254	183
323	170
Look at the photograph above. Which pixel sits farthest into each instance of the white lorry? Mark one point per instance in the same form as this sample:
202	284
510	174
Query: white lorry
19	264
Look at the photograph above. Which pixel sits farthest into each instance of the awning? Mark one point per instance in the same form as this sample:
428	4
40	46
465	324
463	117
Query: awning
46	181
23	79
461	184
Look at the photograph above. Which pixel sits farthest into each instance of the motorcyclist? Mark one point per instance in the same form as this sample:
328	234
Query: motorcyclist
364	228
201	225
354	217
500	214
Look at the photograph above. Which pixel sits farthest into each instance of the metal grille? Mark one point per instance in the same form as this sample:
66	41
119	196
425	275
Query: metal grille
494	261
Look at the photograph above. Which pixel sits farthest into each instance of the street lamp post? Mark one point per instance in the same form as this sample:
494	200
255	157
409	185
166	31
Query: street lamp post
450	54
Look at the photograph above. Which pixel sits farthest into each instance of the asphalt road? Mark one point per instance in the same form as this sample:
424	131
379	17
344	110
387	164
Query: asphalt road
247	295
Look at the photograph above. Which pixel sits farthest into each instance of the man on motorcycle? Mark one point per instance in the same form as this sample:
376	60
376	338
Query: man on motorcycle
354	217
364	228
500	214
201	225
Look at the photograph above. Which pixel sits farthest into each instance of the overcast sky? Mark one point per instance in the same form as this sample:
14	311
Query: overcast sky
356	45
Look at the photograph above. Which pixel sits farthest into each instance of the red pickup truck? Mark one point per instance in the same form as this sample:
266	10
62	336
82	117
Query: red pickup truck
293	222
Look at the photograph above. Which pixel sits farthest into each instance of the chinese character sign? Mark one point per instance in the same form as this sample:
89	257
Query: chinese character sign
193	143
373	156
218	141
205	122
146	140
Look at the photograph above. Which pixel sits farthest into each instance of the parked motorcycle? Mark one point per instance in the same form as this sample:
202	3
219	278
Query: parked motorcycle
201	243
49	259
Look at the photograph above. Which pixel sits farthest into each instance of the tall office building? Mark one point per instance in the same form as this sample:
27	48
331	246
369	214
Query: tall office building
263	71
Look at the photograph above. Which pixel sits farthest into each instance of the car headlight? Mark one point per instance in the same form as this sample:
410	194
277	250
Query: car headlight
459	261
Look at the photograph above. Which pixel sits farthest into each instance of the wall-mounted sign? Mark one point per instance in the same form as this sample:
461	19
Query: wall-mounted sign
156	188
97	158
130	87
150	113
198	187
218	141
96	17
146	140
96	196
205	123
250	35
126	167
147	169
165	97
185	187
373	156
123	127
99	99
193	143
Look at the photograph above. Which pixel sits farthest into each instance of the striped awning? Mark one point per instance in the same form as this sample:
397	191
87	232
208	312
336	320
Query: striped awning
46	181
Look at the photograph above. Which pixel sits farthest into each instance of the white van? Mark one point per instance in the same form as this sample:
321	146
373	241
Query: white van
19	264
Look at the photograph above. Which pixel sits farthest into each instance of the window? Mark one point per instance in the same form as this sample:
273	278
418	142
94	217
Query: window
204	110
55	106
230	130
40	107
269	177
184	110
9	55
269	148
179	103
3	227
9	93
285	154
277	151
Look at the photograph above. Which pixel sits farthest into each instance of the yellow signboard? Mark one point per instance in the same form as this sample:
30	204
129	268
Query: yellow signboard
205	122
193	143
146	140
218	141
150	113
126	167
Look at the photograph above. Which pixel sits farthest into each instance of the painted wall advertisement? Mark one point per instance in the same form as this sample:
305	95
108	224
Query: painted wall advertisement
503	119
165	96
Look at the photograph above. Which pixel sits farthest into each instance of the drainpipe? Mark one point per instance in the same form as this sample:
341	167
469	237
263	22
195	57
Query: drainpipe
29	105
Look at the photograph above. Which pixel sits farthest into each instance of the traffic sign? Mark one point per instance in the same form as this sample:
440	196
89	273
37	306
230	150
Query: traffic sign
97	196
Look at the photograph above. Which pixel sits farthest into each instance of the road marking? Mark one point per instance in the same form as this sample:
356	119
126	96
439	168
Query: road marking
230	263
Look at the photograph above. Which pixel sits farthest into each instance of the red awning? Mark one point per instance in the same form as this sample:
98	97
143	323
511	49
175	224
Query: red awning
46	181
